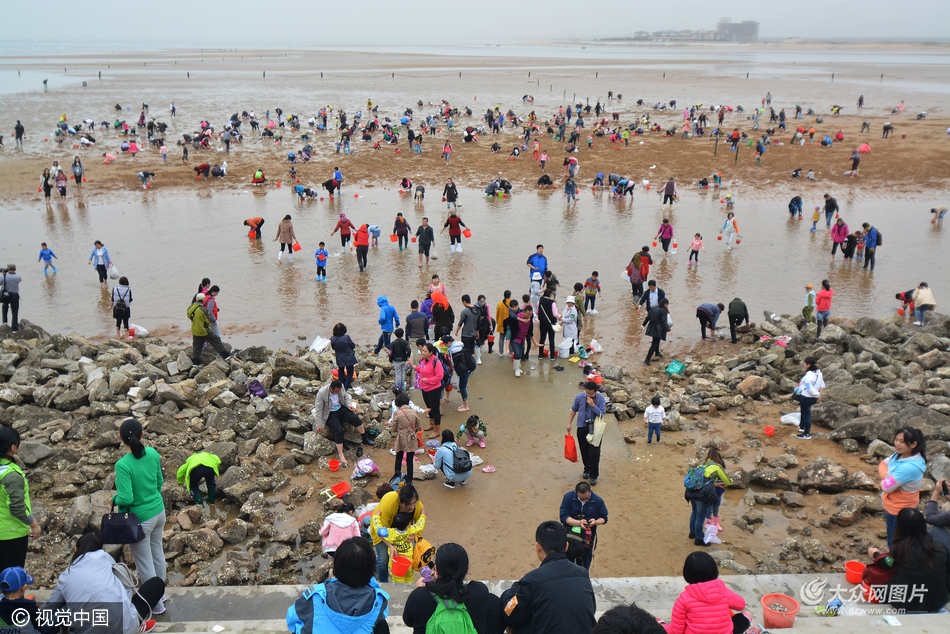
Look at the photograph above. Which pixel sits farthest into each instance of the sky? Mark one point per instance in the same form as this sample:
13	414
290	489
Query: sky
250	23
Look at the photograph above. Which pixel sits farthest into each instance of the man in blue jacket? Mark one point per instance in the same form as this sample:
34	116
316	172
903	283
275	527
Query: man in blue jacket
584	510
388	322
537	263
870	244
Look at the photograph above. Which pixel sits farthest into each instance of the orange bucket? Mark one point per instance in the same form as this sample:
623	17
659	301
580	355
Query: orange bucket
131	332
340	489
491	338
467	233
400	566
769	431
779	620
853	570
654	243
334	465
393	238
870	597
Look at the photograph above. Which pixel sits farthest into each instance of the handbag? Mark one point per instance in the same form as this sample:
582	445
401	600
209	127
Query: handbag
555	326
121	528
128	578
596	435
877	575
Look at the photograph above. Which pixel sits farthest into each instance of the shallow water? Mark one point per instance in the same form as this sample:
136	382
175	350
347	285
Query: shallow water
166	242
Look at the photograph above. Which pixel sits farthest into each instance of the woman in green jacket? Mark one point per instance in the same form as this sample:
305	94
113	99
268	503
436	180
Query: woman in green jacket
139	480
201	465
16	519
716	469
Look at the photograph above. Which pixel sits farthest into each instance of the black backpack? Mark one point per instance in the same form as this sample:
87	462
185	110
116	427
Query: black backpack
120	308
461	460
483	322
463	361
880	240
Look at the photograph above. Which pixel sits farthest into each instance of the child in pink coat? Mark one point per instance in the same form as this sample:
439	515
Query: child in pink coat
338	527
706	605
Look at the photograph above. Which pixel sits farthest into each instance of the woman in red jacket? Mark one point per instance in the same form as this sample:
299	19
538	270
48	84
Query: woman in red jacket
362	246
454	224
823	305
706	605
343	225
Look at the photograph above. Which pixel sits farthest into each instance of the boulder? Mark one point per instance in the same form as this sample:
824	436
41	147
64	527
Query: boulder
165	392
211	373
286	365
850	394
862	481
227	451
315	444
753	386
832	414
771	477
71	400
269	429
234	531
233	475
612	372
255	354
933	359
880	449
867	428
740	479
793	499
877	329
204	541
165	425
310	532
120	382
833	333
824	475
849	511
242	490
32	452
79	516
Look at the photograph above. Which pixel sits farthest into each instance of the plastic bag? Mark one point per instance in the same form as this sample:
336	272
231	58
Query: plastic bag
139	331
595	346
320	344
795	418
624	276
114	273
570	448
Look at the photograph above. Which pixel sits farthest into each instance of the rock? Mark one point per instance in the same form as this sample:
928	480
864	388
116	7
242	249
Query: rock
933	360
877	329
234	531
242	490
850	445
793	499
71	400
824	475
211	373
861	480
120	382
315	444
225	399
850	394
269	429
165	392
233	475
753	386
848	513
832	414
310	532
204	541
79	516
864	370
165	425
867	428
740	479
771	477
880	449
227	451
11	397
255	354
612	372
184	362
286	365
32	452
814	550
833	334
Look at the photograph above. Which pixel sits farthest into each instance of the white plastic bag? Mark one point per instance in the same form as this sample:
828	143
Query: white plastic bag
320	344
140	332
795	418
114	273
624	276
710	535
595	346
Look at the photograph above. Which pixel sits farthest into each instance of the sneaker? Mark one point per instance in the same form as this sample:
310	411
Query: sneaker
481	443
699	542
463	482
471	441
692	536
593	481
449	484
479	362
586	475
161	610
803	436
592	312
917	323
148	626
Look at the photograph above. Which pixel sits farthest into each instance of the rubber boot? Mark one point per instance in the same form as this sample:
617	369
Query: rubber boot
517	366
280	254
478	356
367	440
715	521
197	497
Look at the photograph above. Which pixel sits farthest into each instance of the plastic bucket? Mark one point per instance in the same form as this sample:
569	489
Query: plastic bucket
467	233
393	238
869	597
719	238
654	243
491	338
334	465
738	239
853	570
564	348
779	620
341	489
769	431
400	566
131	332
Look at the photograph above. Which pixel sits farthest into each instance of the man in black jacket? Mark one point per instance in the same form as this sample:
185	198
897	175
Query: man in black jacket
652	296
738	312
555	598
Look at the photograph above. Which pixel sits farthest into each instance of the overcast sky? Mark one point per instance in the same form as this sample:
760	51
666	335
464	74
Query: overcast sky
246	23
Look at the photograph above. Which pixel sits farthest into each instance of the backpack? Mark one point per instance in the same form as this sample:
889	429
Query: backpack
449	619
696	478
483	322
120	309
464	361
578	542
880	240
446	371
461	460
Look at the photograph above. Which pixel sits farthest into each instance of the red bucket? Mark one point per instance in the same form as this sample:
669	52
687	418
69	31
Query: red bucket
719	238
654	243
131	332
334	465
394	238
400	566
297	246
769	431
467	233
853	571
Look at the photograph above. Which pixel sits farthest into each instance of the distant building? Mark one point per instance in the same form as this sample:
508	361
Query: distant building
728	30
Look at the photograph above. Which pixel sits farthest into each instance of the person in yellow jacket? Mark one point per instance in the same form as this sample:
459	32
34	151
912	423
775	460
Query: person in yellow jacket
406	500
201	465
17	523
201	333
716	469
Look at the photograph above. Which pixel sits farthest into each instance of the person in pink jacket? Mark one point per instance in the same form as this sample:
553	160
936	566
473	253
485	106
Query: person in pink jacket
839	235
431	373
706	605
338	527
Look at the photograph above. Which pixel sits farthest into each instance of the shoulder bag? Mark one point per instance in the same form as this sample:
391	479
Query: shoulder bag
121	528
555	326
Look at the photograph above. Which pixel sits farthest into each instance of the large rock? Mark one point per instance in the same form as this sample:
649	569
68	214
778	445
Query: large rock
79	516
32	452
165	392
771	477
165	425
849	511
612	372
120	382
233	475
824	475
868	428
204	541
242	490
933	359
211	373
234	531
877	329
740	479
286	365
793	499
315	444
832	414
71	400
833	334
850	394
753	386
227	451
269	429
310	532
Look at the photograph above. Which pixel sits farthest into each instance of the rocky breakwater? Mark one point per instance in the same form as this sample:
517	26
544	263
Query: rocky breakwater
66	395
881	374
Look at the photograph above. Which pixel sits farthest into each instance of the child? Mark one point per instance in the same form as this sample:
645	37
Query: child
184	154
401	543
338	527
475	429
939	213
436	286
164	152
851	245
47	256
401	353
406	427
321	256
706	605
569	323
550	282
859	247
653	416
375	232
544	159
591	291
534	290
579	304
815	217
13	583
694	248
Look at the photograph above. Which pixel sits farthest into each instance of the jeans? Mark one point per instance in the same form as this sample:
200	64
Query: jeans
517	349
400	369
148	554
463	384
890	522
828	216
651	429
589	301
918	313
382	562
805	424
13	301
698	517
383	342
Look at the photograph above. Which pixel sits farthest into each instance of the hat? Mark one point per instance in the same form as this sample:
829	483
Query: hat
809	286
14	578
200	296
570	299
536	275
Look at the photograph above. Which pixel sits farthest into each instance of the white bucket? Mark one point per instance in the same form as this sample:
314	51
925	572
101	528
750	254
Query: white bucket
564	348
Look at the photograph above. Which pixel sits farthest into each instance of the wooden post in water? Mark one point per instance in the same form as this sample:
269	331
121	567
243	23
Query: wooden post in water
715	145
264	75
832	76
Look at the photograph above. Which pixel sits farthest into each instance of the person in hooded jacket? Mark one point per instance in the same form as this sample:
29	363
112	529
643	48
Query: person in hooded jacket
362	246
657	325
706	606
285	233
339	527
388	322
442	315
344	348
343	225
738	312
